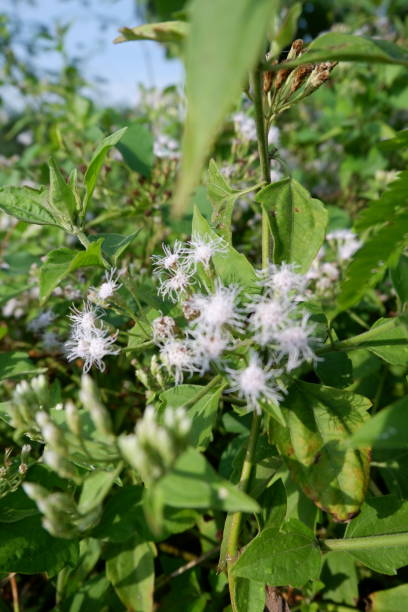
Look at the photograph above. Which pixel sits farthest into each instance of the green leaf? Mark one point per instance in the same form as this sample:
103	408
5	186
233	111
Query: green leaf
29	205
387	429
223	198
392	200
114	245
26	548
136	147
14	364
337	46
62	196
165	32
339	575
202	413
287	29
387	338
298	222
335	370
224	43
250	595
123	516
231	266
273	504
289	558
95	488
319	421
129	567
380	516
193	483
371	260
398	143
399	276
61	262
96	162
390	600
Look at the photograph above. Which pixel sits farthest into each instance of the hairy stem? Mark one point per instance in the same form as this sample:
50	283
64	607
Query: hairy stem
389	540
236	518
262	138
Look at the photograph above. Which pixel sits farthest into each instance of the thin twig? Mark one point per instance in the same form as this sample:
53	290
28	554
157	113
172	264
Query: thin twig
188	566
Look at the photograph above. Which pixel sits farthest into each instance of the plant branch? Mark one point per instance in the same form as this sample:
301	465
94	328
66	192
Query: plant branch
234	526
389	540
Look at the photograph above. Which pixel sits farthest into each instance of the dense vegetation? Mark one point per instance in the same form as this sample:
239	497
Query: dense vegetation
204	319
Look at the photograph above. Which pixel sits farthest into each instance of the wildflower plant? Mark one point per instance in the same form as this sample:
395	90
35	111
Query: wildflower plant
228	391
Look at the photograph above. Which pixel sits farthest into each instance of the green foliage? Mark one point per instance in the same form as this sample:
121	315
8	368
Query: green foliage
165	476
237	29
298	222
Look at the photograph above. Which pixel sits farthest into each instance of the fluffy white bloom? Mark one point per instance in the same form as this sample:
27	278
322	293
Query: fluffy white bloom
175	286
268	315
209	346
91	348
172	258
256	382
201	249
217	309
294	343
282	281
163	328
345	241
107	288
84	321
178	357
244	126
43	320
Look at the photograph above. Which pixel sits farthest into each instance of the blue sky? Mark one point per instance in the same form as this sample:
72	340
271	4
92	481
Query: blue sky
122	66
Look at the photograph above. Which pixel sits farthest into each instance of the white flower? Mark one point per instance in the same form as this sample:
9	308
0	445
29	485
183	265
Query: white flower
294	343
91	348
84	321
163	328
43	320
256	382
282	281
107	288
244	126
345	241
217	309
268	315
176	285
172	258
165	146
209	346
201	249
178	357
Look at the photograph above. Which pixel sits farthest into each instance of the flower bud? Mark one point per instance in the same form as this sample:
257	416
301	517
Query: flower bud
72	417
90	400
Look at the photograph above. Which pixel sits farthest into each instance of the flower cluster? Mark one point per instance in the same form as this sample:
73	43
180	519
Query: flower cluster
90	340
154	446
326	270
270	330
177	266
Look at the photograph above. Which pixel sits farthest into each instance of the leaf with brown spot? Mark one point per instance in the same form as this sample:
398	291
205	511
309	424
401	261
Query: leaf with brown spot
320	420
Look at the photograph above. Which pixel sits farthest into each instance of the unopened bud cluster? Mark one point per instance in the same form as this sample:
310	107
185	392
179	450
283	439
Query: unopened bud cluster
29	398
289	85
155	446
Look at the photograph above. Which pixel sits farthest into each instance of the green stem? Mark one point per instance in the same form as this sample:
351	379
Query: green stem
236	518
82	238
233	523
215	381
389	540
262	138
